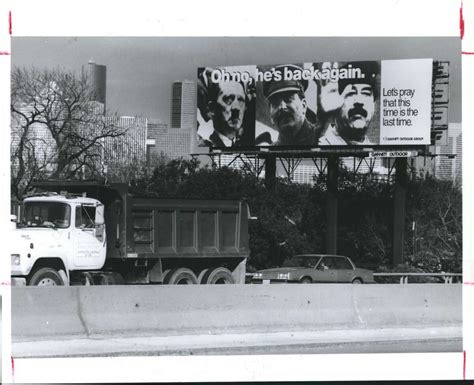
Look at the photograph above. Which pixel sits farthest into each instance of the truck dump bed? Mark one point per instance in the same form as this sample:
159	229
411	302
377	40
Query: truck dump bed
175	228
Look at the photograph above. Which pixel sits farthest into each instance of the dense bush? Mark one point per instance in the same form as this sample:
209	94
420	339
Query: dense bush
292	217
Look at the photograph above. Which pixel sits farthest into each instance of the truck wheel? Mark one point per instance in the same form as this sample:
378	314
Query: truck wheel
201	276
46	276
64	277
219	276
181	276
110	279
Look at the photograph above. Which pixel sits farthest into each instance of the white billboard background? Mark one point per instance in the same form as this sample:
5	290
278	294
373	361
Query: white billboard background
405	101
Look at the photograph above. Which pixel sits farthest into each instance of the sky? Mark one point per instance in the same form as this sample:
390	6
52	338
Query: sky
140	70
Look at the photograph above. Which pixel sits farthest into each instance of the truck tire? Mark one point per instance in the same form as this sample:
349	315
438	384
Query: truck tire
108	278
64	277
201	276
46	276
219	276
181	276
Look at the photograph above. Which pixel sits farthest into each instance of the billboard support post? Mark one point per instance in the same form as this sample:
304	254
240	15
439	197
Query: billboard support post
331	205
270	170
399	200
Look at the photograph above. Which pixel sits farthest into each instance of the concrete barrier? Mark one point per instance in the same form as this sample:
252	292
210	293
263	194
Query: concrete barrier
90	311
47	313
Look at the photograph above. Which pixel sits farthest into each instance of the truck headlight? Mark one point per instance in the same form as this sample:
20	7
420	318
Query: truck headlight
15	259
258	275
284	276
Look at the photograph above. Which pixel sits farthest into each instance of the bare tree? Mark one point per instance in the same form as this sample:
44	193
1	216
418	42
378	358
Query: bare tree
58	130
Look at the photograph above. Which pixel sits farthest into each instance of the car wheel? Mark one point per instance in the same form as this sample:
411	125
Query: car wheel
357	280
46	277
306	280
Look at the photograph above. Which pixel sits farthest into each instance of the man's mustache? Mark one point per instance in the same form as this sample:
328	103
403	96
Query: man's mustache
283	114
234	116
357	111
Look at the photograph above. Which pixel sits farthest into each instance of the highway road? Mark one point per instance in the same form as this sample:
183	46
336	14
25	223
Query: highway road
387	340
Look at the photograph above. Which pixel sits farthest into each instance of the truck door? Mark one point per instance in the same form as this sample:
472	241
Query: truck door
89	237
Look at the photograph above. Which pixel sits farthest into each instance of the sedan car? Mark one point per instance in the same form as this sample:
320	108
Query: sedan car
315	268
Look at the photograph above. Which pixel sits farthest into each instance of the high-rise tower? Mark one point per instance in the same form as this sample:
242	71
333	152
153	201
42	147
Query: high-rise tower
183	104
97	75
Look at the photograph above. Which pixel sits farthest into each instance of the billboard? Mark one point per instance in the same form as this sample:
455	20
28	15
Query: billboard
320	104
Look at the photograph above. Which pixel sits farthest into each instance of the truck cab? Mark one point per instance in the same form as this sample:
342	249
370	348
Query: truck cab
55	234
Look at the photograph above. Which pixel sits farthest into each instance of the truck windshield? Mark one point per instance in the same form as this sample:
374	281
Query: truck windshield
46	214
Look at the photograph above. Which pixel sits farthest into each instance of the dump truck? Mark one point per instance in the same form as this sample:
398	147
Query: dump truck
91	233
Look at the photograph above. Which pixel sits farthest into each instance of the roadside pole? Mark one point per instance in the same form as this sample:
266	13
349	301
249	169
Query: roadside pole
331	205
270	170
399	203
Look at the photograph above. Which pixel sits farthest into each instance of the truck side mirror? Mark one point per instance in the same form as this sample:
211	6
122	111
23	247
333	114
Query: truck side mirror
249	216
99	216
99	222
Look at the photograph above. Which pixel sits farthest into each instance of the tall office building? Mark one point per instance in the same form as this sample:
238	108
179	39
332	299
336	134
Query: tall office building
172	143
448	163
129	148
97	76
39	146
304	174
183	104
179	140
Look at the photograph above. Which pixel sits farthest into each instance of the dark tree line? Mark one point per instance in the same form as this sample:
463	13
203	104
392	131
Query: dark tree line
291	217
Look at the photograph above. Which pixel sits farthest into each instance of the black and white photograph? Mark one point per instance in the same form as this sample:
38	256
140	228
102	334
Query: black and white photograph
177	199
307	105
285	114
353	119
226	107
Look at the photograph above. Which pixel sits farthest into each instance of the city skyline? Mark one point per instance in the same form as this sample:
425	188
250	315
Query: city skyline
141	71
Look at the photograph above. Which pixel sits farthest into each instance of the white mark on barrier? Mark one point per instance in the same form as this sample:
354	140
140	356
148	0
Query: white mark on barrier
79	313
356	308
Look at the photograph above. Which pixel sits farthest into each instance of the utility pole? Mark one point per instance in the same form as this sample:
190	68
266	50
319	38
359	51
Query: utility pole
399	203
331	205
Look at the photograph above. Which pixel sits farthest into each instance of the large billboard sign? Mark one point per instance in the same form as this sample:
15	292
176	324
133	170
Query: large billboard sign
307	105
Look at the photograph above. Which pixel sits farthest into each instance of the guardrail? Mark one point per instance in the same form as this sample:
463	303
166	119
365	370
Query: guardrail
446	277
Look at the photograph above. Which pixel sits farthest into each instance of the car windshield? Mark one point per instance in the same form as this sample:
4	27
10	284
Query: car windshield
301	261
46	214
